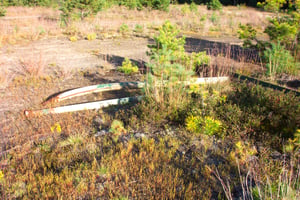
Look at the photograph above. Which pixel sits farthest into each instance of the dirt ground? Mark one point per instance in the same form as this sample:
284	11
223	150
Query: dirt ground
69	58
65	65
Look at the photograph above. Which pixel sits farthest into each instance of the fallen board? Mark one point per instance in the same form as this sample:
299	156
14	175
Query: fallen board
82	106
93	89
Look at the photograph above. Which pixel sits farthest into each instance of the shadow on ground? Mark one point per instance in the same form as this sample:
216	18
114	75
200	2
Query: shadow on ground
213	48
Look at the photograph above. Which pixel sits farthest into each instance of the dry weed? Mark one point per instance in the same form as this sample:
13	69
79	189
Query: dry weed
5	78
23	23
31	67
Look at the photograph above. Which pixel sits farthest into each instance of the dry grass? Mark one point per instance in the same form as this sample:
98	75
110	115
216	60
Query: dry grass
5	78
226	60
32	66
38	22
23	24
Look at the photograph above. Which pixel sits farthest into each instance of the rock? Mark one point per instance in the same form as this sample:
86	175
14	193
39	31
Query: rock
101	133
139	135
276	155
98	121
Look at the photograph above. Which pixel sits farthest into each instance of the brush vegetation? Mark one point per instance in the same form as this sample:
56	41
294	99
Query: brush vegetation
231	140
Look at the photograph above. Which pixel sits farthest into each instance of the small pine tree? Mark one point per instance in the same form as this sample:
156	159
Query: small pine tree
82	8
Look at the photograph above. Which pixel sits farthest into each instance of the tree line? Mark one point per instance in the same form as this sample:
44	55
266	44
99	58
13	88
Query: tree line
148	3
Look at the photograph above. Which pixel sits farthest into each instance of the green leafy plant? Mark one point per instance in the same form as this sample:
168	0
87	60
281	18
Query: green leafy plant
248	34
214	5
206	125
281	53
132	4
128	68
212	126
272	5
194	123
214	18
124	29
282	28
185	9
91	36
285	29
138	28
1	176
117	127
73	39
139	4
203	18
293	145
81	8
193	7
2	11
200	62
160	4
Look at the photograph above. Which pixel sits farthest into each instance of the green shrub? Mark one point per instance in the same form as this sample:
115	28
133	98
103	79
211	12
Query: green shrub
214	5
194	123
138	28
203	18
73	39
127	67
139	4
124	29
285	36
117	127
200	61
248	34
2	11
214	18
279	61
168	37
206	125
30	3
132	4
165	82
193	7
211	126
282	28
285	29
160	4
185	9
272	5
262	114
91	36
80	8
